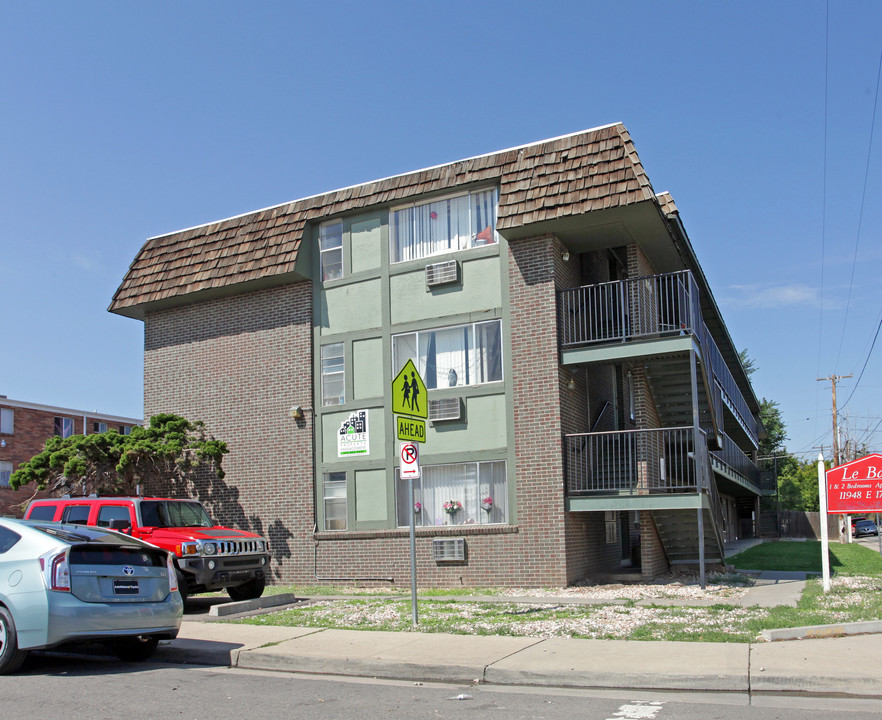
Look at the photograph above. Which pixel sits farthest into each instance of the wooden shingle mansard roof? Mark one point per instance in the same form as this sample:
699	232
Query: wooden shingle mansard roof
568	176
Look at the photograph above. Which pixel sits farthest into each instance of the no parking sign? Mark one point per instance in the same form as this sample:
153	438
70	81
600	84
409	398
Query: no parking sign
410	460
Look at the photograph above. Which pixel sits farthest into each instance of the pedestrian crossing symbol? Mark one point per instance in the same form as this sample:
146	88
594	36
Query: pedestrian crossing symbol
409	393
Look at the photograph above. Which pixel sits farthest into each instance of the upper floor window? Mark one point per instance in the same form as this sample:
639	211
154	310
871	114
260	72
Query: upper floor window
64	427
332	374
99	427
5	472
331	250
125	429
441	226
7	421
448	357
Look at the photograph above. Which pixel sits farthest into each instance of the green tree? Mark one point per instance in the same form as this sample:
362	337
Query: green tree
798	486
169	448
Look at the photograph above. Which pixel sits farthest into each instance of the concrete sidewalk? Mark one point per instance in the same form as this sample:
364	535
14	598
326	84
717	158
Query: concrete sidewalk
827	666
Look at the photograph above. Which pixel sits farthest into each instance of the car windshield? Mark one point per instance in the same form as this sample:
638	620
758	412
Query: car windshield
174	513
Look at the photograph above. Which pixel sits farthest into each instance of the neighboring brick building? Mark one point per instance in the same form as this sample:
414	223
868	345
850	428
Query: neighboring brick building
577	368
24	429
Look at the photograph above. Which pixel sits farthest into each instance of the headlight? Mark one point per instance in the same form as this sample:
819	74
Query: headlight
189	549
209	549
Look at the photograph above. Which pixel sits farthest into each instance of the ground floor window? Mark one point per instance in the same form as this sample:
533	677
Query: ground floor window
458	494
5	472
611	522
334	496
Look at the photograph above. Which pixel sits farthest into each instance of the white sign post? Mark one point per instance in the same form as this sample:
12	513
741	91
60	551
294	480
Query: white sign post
825	541
409	455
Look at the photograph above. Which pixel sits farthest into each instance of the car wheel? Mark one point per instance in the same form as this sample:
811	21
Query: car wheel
11	657
248	591
135	649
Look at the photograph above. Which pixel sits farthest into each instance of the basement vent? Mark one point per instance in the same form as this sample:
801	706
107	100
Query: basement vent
448	549
445	409
442	273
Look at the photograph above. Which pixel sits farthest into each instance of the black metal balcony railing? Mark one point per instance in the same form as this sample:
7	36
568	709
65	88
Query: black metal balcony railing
643	309
736	461
635	462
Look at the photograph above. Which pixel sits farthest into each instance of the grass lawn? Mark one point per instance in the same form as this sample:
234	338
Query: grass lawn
850	559
856	595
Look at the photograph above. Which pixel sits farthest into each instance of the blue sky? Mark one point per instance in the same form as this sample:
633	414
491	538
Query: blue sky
122	121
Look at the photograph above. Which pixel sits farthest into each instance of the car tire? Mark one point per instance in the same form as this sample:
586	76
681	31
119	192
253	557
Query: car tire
135	649
11	657
248	591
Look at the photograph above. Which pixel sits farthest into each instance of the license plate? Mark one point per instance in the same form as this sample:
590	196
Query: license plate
125	587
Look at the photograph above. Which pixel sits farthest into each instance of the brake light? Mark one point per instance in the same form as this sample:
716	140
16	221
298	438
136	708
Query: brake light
56	571
172	573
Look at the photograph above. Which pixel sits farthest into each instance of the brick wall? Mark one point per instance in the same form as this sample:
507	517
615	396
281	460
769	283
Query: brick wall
32	427
239	364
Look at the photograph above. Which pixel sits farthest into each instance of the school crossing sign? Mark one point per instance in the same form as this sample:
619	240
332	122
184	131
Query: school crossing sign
409	399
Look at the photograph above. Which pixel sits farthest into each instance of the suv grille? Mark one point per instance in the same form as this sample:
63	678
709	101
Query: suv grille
237	547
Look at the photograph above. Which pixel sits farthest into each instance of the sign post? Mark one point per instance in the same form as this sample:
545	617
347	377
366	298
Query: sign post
825	541
410	405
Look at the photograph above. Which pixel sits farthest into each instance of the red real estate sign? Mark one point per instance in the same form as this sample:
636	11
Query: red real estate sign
856	487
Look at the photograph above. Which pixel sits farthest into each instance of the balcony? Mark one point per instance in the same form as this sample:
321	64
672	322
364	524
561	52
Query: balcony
641	310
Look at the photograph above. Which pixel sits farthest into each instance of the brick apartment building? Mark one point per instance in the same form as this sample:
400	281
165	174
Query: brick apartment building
24	429
587	407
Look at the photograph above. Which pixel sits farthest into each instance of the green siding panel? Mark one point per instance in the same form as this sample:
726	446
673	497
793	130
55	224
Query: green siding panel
478	289
352	307
366	245
485	428
367	369
371	504
331	423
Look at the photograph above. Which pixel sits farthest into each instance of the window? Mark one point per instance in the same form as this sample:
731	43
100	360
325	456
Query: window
449	357
113	512
7	421
99	427
331	250
445	225
76	514
7	539
5	472
334	492
64	427
125	429
332	374
479	488
42	512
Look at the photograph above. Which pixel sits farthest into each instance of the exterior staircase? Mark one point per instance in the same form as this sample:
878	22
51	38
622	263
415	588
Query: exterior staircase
678	531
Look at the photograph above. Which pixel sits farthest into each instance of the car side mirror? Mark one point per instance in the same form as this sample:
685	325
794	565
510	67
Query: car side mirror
120	524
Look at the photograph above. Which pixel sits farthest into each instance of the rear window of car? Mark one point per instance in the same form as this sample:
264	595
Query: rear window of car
42	512
116	556
8	538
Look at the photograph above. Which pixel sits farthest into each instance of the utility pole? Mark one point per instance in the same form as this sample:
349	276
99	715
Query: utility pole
834	379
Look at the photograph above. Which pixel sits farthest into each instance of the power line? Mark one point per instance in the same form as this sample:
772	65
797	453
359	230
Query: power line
861	213
875	337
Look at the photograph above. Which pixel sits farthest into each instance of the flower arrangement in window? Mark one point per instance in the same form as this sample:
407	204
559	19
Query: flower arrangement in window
487	504
417	507
451	507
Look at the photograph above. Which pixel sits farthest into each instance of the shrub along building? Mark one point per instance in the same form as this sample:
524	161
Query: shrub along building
587	408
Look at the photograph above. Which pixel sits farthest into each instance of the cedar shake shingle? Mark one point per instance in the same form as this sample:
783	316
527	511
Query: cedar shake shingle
592	170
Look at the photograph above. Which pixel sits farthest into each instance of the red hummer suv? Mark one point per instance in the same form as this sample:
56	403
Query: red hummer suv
208	556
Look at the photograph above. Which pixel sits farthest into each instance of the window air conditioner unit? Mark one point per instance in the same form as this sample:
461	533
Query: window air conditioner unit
448	549
445	409
442	273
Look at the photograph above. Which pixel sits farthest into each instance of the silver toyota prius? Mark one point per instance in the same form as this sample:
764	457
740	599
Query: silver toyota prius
70	583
